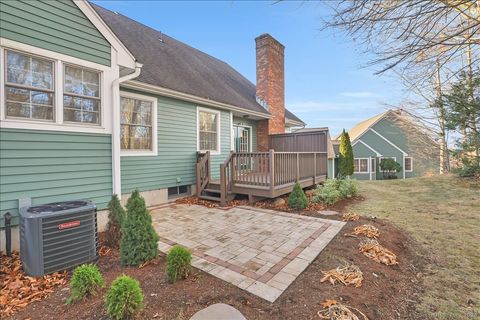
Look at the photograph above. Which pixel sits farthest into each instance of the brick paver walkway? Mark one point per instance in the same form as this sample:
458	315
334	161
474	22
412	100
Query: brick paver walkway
261	251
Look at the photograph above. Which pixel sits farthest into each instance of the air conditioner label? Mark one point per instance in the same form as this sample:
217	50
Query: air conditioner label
70	224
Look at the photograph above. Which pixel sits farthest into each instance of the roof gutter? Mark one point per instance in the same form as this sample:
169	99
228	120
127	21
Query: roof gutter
137	85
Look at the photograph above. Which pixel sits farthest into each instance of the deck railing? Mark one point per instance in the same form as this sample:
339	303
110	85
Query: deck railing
270	170
203	171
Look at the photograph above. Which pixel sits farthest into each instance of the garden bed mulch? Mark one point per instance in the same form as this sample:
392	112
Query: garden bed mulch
387	292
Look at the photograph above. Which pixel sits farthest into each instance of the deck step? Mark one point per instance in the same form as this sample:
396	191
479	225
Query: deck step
217	199
212	190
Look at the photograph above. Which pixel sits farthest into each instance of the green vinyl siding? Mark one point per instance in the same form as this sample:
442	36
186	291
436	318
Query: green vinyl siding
330	173
250	123
50	166
58	26
177	146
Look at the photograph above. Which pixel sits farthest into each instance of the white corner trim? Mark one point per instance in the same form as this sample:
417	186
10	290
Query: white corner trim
124	56
366	145
138	153
388	141
219	133
232	133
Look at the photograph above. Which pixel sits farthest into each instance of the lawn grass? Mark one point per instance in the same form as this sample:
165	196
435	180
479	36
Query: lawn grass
442	214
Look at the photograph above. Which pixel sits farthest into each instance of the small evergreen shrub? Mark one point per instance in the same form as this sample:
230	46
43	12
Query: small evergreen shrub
297	199
179	262
124	298
328	193
116	216
347	187
390	168
139	239
86	279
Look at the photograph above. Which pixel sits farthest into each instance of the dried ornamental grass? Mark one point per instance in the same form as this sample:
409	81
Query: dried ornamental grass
17	289
347	275
367	230
350	216
332	310
372	249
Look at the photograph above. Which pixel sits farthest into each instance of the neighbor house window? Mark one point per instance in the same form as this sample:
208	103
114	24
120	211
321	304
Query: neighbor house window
29	87
136	119
408	165
208	130
360	165
81	95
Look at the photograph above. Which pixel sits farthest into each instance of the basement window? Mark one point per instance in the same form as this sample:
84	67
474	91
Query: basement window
178	191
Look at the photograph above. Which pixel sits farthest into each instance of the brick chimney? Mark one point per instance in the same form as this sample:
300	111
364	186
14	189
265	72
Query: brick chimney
270	87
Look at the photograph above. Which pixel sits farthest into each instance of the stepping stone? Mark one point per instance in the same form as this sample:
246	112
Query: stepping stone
218	311
328	212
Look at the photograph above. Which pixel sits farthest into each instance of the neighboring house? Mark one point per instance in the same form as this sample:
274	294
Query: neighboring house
392	134
93	103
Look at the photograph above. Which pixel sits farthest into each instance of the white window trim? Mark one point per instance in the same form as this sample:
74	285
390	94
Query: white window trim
217	112
107	75
250	133
411	160
138	153
368	166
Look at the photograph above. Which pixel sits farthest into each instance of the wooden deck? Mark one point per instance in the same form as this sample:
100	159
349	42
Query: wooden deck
260	174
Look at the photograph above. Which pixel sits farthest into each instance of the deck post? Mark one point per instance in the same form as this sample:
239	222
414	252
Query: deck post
298	168
272	171
223	186
314	168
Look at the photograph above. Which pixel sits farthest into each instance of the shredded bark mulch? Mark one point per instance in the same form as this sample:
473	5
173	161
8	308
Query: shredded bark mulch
387	292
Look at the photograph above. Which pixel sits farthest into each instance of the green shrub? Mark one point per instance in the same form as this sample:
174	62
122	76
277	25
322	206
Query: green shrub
468	168
347	187
139	239
297	199
179	262
86	279
328	193
390	168
116	216
124	298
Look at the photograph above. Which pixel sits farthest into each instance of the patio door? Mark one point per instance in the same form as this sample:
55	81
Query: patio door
243	144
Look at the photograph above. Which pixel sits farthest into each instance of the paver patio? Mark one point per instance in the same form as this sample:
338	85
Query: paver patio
261	251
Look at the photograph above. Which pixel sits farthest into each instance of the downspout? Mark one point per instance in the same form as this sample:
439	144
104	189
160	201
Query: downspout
117	185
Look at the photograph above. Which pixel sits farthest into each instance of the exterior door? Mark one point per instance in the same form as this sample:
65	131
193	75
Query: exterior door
242	144
242	139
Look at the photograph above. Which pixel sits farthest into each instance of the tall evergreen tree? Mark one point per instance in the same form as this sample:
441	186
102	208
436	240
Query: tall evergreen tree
139	239
345	161
116	216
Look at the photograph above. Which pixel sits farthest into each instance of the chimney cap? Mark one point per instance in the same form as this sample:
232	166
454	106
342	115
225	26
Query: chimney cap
267	36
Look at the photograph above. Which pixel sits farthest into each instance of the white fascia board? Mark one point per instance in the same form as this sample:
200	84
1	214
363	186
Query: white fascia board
124	57
388	141
366	145
145	87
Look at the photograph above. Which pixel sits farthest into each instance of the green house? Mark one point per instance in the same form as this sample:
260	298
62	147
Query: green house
93	103
393	134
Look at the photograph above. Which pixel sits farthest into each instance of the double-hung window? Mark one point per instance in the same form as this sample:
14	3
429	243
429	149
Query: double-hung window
29	87
81	95
138	124
208	130
360	165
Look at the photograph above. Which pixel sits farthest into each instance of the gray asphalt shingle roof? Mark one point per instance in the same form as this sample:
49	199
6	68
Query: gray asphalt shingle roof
171	64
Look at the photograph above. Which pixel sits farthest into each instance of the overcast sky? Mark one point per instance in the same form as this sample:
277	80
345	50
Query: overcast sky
326	82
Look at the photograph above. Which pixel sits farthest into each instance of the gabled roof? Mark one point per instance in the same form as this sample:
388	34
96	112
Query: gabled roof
363	126
171	64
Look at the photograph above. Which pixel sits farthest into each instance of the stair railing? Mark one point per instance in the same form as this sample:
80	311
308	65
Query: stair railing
203	171
226	179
